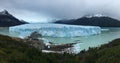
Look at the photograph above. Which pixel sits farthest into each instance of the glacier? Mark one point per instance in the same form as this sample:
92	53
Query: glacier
55	30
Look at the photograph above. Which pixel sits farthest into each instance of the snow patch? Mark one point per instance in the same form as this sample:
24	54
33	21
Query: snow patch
95	15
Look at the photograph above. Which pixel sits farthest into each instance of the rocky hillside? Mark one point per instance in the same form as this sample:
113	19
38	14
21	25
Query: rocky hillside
7	20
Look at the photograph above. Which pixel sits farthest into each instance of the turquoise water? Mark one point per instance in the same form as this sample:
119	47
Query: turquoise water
90	41
85	42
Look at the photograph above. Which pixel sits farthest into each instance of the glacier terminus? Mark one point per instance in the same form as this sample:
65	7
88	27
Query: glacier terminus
56	30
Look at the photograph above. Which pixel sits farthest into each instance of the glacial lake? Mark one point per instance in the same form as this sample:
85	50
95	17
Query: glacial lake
91	41
85	42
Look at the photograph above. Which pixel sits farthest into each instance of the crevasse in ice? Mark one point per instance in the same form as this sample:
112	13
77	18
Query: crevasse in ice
56	30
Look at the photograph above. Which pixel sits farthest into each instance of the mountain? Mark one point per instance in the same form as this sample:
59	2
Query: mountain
7	20
96	20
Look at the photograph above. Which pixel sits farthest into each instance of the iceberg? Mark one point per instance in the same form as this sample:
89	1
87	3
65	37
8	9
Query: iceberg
56	30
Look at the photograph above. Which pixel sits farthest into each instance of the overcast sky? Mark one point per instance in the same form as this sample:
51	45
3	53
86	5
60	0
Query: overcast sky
46	10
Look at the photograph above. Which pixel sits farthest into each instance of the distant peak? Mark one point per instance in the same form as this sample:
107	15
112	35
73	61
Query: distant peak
4	12
94	15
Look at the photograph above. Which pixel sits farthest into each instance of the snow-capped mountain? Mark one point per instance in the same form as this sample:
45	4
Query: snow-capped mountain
7	20
5	12
93	20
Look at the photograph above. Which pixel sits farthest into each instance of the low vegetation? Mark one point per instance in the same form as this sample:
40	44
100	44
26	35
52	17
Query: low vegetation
12	51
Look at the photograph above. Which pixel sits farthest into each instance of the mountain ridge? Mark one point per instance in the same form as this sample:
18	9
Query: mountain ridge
102	21
7	20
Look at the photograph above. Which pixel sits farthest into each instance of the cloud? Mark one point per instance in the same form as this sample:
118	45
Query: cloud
45	10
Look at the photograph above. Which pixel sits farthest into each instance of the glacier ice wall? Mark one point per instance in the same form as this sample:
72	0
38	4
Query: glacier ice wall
56	30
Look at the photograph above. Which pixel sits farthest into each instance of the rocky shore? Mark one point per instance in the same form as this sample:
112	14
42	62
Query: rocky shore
35	39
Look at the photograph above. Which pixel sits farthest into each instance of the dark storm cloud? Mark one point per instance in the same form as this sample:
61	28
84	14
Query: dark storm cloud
63	9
